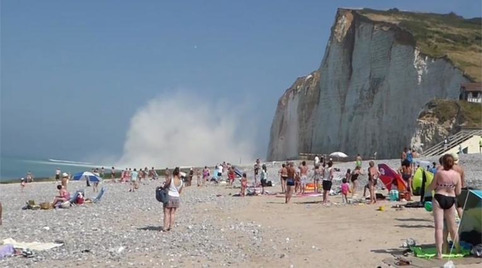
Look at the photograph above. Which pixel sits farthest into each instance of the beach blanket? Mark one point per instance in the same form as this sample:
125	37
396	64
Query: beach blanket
30	245
428	253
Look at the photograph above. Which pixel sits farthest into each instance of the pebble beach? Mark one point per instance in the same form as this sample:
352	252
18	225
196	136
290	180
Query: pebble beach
214	228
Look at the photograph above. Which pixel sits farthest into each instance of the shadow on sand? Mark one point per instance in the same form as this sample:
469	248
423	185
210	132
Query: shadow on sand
413	219
150	228
414	226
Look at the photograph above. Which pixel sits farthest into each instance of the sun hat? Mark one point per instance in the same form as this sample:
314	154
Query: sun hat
456	158
65	174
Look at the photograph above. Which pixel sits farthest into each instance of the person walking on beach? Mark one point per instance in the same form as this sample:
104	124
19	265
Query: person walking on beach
283	177
373	175
134	177
447	185
174	185
290	182
327	182
22	184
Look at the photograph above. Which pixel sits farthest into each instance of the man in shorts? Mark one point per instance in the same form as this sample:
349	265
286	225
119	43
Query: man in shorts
290	182
57	174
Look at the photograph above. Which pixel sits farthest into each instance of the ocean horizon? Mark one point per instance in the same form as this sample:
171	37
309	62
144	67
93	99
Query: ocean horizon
14	168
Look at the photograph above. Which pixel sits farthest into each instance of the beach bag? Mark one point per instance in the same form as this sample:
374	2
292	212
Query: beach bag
162	194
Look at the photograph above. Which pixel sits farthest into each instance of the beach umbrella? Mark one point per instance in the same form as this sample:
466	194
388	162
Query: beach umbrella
338	154
87	175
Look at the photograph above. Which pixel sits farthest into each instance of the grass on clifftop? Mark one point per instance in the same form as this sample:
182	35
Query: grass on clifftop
470	113
439	35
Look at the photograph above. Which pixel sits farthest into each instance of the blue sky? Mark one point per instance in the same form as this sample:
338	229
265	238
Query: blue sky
74	73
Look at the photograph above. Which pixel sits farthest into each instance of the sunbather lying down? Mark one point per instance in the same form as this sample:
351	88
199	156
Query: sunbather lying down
63	195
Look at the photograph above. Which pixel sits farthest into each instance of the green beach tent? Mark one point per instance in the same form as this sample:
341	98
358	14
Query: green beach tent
470	229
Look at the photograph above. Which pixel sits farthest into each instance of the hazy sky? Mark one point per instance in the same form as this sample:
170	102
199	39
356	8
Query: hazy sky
75	75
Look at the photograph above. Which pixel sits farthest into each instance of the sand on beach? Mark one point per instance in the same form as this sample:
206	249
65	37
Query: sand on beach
214	229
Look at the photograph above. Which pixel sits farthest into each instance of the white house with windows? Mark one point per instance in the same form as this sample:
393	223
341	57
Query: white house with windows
471	92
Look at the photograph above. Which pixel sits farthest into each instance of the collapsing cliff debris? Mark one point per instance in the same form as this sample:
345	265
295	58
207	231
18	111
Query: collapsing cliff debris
367	94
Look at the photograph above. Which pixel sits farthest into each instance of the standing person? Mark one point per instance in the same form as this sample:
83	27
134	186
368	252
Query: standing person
112	174
29	177
447	185
264	178
297	181
304	176
345	189
406	173
134	177
175	188
358	161
327	182
256	172
373	175
318	174
22	184
283	177
403	155
290	182
231	175
317	160
354	177
348	175
461	197
102	172
244	184
206	174
57	174
199	177
65	180
191	175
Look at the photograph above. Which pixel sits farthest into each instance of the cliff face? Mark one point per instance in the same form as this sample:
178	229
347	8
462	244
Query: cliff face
365	97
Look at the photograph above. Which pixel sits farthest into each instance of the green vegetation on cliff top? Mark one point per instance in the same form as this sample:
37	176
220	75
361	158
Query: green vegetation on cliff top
440	35
467	113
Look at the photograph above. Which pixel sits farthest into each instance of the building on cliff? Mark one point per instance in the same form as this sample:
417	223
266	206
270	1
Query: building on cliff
471	92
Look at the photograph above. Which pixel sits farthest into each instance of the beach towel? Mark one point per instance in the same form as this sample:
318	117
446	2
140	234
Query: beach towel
30	245
428	253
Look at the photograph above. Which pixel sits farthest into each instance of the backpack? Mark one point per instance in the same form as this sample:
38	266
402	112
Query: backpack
162	194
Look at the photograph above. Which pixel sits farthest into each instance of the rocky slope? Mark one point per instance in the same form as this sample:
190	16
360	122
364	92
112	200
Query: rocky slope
368	92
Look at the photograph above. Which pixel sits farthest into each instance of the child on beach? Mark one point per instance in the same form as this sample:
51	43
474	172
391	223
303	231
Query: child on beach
345	189
244	184
22	183
198	177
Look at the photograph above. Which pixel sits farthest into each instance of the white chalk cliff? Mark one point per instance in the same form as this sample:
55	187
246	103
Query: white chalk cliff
366	96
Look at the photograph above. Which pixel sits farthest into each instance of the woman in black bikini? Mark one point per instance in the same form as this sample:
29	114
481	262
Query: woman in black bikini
447	185
354	177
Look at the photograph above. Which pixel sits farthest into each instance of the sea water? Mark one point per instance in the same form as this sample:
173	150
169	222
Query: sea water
14	168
